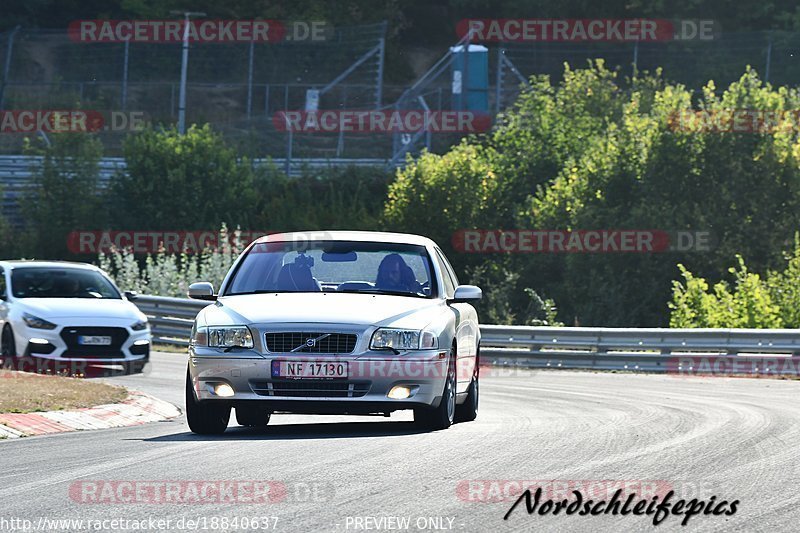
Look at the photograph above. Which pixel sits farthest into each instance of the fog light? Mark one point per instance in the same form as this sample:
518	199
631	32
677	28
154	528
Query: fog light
141	342
399	392
38	341
223	389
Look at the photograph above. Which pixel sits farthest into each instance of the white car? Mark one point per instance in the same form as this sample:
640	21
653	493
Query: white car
65	317
335	323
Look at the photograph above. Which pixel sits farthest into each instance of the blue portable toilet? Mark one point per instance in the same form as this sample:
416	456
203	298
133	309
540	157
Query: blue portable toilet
470	88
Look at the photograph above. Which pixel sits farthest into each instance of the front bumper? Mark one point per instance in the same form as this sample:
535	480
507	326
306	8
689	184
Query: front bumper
50	345
371	376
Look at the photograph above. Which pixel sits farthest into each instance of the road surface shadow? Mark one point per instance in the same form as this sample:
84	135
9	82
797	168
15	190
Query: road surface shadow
336	430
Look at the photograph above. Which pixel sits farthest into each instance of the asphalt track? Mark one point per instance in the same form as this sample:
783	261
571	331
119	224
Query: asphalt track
736	439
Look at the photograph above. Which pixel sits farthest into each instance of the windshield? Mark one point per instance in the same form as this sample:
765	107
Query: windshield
61	283
364	267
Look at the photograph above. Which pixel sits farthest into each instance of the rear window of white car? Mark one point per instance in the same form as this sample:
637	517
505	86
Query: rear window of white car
45	282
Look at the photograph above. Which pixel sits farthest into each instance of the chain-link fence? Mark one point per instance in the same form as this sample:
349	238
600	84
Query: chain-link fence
237	87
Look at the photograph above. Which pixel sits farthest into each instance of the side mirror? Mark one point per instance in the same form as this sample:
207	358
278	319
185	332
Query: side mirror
131	295
466	294
202	290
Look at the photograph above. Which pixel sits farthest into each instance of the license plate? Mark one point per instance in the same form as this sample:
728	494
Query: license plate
309	369
94	340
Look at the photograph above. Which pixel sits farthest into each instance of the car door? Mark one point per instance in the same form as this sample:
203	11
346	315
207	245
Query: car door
466	326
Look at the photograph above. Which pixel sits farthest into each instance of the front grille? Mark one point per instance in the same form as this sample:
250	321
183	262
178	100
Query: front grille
336	343
311	388
113	351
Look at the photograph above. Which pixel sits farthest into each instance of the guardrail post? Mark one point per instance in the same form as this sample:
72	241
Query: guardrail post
7	66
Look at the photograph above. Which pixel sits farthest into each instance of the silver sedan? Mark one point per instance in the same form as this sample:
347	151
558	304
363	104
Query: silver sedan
335	323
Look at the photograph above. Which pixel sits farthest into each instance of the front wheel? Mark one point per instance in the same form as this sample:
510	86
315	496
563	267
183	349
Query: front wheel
441	417
8	349
205	418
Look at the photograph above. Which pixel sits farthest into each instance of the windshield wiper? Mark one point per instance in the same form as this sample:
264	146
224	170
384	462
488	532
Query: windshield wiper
383	291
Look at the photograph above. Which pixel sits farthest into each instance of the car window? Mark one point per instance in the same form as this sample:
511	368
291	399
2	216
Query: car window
344	266
450	280
49	282
2	283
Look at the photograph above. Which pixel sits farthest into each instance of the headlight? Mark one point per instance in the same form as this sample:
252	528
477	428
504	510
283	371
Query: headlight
139	326
38	323
229	337
403	339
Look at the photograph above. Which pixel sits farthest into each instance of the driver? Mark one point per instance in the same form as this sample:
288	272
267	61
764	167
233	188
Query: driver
395	275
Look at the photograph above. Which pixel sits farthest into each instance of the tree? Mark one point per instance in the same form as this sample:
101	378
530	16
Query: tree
64	195
182	182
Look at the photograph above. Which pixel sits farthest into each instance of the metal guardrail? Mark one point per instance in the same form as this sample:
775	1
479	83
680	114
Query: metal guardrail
641	349
170	318
635	349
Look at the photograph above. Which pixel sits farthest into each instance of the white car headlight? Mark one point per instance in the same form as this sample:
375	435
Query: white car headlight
229	336
139	326
403	339
37	323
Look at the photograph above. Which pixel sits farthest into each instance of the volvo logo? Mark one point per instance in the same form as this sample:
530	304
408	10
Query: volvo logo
310	342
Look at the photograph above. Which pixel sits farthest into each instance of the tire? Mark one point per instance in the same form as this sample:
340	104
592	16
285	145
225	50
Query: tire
468	411
252	417
209	418
8	349
443	416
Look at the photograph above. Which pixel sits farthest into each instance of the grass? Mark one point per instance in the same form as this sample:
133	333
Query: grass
22	392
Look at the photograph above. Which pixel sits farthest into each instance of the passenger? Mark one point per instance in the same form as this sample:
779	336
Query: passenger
395	275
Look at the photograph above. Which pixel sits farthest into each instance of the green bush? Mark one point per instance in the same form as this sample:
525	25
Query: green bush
750	302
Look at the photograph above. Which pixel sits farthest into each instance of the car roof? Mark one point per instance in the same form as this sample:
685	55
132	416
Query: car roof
342	235
25	263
